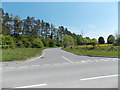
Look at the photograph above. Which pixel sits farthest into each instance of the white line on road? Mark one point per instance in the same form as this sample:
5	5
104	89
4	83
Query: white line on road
35	65
31	86
23	66
92	78
88	60
66	63
67	59
57	64
77	62
10	67
46	64
83	61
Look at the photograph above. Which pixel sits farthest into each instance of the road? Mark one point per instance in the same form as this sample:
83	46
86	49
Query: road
61	69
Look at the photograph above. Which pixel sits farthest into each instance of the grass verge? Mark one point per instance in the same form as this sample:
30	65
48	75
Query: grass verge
19	53
106	51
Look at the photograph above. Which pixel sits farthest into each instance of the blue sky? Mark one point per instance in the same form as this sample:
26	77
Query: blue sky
93	19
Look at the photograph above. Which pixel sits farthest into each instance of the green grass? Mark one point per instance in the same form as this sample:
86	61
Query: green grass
97	51
19	53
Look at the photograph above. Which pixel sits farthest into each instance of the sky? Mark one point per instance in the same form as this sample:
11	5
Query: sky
92	19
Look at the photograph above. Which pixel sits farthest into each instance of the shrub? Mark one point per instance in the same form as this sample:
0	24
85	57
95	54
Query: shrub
5	46
68	41
20	44
51	43
45	42
37	43
26	43
8	42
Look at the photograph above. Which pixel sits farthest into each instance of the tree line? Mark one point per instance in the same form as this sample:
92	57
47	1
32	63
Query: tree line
36	33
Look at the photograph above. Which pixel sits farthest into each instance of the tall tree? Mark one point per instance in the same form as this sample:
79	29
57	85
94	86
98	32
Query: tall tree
110	39
101	40
68	41
79	40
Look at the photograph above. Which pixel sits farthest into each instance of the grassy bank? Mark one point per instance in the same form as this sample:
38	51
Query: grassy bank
19	53
109	51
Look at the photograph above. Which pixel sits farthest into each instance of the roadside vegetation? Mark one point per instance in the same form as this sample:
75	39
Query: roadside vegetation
19	53
107	51
24	38
94	47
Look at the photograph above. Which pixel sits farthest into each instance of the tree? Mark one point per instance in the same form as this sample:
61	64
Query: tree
110	39
79	40
17	25
101	40
94	42
68	41
86	40
117	41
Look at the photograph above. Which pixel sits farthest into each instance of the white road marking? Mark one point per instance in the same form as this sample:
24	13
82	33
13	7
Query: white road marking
57	64
88	60
31	86
10	67
100	77
83	61
106	60
97	60
35	65
102	59
46	64
23	66
77	62
67	59
65	63
115	58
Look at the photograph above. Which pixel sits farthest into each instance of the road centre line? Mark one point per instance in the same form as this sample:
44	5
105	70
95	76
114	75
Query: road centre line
67	59
31	86
100	77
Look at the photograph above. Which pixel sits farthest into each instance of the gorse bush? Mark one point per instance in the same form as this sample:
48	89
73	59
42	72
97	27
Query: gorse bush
8	42
20	42
51	43
37	43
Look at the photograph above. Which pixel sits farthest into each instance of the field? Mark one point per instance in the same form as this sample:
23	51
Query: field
19	53
108	51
